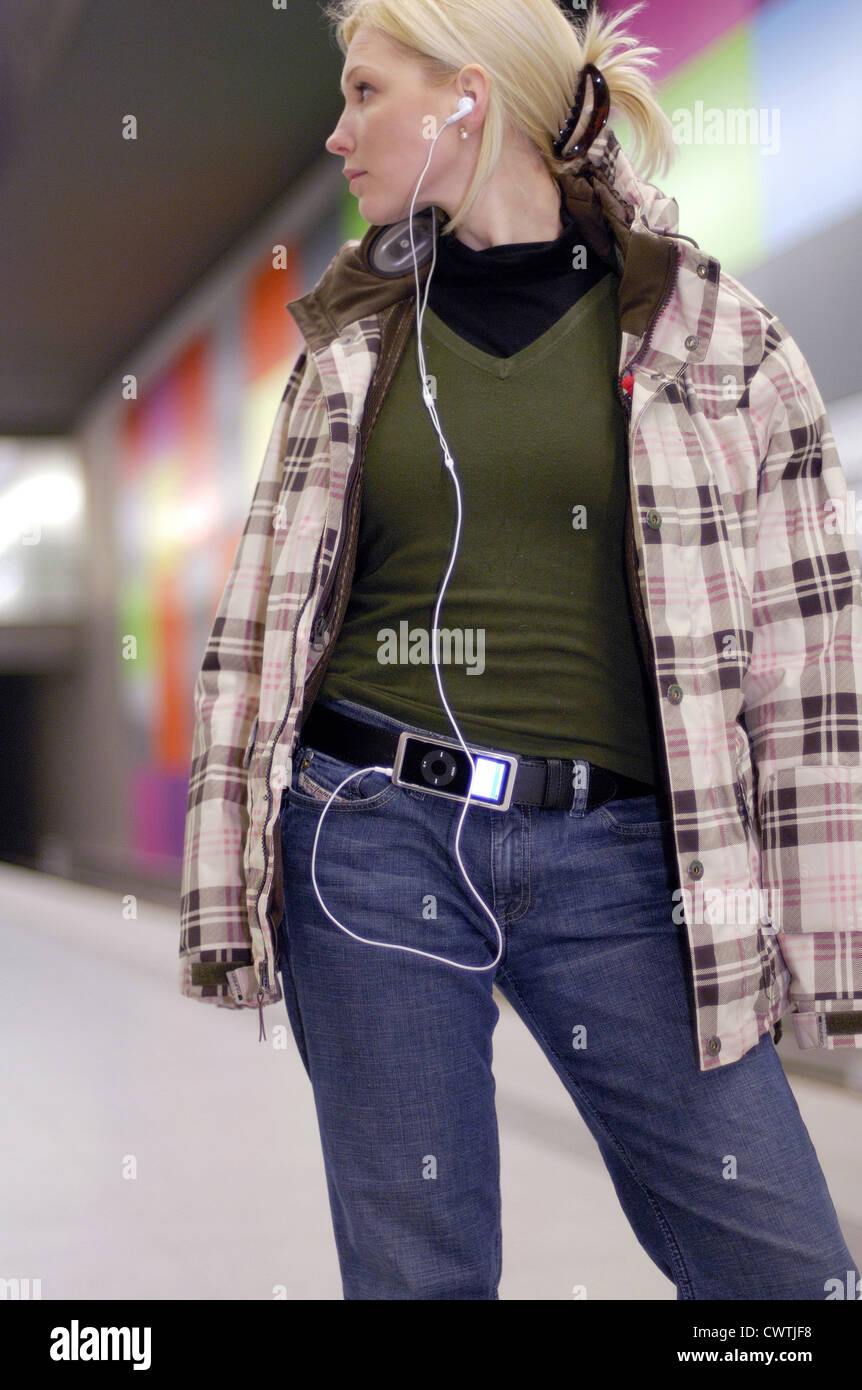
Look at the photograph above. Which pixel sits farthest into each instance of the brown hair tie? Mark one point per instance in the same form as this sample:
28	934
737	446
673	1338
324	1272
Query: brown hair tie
601	109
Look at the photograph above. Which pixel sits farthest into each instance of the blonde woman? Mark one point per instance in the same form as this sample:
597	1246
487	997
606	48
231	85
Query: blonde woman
653	650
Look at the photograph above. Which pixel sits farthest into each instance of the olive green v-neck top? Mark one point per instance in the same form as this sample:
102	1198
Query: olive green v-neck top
538	650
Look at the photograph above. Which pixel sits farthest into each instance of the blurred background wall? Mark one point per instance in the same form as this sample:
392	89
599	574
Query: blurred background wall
163	193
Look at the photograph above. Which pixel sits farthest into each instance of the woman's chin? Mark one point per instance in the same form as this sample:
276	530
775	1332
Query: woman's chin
380	212
377	211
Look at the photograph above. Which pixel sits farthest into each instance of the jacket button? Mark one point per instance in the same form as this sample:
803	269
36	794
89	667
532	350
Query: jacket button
691	343
703	271
674	693
713	1045
320	641
653	519
695	869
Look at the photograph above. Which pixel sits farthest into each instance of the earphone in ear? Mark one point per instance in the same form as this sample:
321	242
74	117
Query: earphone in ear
465	106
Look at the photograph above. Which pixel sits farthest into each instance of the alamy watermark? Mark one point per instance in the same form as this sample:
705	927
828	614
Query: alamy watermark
720	907
452	645
713	125
843	517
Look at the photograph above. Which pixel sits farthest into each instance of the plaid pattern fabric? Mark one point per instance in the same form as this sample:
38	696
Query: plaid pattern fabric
750	580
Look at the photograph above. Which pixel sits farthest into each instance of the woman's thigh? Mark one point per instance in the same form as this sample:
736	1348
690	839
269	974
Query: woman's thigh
398	1047
716	1170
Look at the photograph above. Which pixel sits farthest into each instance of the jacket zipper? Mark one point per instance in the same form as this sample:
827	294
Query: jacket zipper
318	626
662	305
626	401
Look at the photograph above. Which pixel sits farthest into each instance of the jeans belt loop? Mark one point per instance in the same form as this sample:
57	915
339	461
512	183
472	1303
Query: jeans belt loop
557	796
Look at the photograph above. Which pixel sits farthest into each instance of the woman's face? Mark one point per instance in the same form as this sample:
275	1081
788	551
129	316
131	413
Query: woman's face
389	121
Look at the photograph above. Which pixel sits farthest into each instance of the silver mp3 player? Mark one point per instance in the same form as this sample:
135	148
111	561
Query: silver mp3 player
442	768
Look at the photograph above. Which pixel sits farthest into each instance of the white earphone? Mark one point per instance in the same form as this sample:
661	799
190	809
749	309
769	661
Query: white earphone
465	106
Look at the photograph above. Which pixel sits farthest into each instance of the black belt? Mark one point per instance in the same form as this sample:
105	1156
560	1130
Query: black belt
545	782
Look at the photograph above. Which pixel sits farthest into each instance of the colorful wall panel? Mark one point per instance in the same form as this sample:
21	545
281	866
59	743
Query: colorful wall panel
748	189
189	455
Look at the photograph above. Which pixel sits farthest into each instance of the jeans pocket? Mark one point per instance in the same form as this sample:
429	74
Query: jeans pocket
633	816
316	776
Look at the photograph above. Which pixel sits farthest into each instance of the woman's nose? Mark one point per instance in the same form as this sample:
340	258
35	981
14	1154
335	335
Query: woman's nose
335	144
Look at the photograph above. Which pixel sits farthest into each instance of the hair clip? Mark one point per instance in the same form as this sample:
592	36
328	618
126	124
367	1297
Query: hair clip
601	109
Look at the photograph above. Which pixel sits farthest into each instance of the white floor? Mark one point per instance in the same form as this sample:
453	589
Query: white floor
153	1148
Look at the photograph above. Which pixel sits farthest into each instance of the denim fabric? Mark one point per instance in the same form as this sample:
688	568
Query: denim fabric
715	1171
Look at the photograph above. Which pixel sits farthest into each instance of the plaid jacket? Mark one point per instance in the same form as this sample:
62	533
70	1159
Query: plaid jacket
746	589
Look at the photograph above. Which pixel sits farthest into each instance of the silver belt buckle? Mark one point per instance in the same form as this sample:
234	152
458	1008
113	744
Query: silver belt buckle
489	757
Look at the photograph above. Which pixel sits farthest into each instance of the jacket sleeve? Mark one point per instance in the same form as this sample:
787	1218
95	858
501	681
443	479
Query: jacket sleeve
801	697
214	931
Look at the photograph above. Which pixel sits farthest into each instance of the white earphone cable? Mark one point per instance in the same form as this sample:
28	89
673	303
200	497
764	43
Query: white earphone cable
464	106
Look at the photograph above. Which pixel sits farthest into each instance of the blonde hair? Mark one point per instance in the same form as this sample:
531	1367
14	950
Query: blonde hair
533	55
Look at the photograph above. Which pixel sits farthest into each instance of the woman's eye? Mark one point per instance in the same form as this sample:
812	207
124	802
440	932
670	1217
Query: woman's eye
360	86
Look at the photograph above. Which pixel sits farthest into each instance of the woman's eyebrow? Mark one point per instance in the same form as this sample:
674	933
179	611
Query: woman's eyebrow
356	67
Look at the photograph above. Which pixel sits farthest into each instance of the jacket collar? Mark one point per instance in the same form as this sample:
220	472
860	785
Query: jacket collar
624	220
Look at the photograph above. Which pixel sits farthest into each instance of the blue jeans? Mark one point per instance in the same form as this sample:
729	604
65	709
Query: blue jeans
716	1171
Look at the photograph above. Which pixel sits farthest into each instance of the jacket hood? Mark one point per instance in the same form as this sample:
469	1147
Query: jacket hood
626	221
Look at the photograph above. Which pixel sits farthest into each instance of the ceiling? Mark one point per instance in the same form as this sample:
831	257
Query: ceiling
101	235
